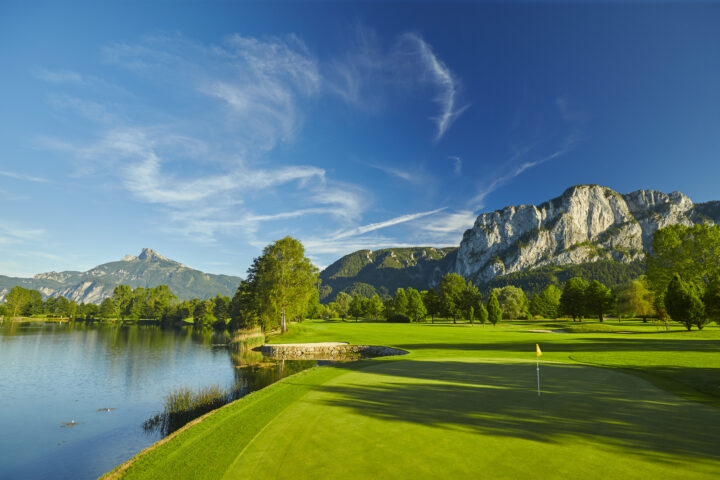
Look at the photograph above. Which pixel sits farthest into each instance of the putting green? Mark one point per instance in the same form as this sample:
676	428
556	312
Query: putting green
463	404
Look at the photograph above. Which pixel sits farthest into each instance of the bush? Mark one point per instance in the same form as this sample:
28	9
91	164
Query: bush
398	318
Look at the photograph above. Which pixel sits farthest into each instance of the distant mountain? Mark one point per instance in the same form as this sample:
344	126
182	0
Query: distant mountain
589	231
148	269
383	271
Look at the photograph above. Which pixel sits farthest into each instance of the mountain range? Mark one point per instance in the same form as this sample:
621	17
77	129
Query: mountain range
590	231
148	269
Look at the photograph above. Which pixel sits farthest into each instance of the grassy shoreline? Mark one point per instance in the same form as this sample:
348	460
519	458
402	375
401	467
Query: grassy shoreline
457	386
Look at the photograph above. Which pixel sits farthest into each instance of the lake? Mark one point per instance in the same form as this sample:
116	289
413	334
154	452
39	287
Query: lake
75	396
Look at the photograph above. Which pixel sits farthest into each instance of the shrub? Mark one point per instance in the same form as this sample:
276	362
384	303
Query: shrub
398	318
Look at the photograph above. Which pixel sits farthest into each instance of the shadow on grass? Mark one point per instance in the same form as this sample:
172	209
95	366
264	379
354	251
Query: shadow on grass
578	403
621	344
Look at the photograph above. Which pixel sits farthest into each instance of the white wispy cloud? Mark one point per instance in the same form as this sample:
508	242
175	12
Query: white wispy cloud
349	201
261	85
355	76
88	109
567	145
457	164
408	65
206	203
415	176
446	228
22	176
58	76
338	247
261	81
384	224
451	222
16	234
211	173
440	75
569	112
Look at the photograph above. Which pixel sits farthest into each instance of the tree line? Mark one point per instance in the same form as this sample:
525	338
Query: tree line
156	303
453	298
682	283
23	302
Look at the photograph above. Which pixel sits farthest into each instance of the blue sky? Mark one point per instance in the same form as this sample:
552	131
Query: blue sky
207	130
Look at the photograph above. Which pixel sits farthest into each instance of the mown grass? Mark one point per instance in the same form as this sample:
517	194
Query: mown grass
463	404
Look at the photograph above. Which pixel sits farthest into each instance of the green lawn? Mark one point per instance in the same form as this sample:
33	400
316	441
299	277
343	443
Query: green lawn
463	404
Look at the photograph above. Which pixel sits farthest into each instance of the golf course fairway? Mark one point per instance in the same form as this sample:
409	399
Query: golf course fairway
464	404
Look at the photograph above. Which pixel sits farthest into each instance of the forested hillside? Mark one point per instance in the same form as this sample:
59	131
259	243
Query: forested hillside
367	272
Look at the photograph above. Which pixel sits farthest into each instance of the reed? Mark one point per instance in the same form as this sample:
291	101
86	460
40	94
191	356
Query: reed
249	334
183	404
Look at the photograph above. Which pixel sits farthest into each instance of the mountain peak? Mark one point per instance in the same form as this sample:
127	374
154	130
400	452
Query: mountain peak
150	254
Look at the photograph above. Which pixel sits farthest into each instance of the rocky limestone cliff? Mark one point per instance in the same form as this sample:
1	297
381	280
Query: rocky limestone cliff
585	224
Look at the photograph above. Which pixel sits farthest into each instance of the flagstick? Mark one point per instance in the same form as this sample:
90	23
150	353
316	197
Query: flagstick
537	357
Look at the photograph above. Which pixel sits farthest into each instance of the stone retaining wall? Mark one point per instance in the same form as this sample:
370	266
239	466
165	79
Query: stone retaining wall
326	351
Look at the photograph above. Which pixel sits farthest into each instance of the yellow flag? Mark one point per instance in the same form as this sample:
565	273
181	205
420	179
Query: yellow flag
537	348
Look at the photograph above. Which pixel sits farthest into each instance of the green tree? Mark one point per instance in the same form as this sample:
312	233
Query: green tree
375	307
547	302
712	299
692	252
158	301
123	296
244	309
50	306
494	310
416	308
388	308
635	298
285	280
356	307
431	300
221	310
107	309
63	306
88	311
138	307
343	304
34	304
72	309
451	290
314	308
683	303
572	300
481	313
471	298
16	299
400	303
203	313
598	299
513	302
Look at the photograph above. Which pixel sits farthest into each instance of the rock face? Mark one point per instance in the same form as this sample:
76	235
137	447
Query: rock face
149	269
585	224
326	351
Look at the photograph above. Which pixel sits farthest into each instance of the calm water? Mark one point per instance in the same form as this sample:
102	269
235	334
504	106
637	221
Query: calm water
55	374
